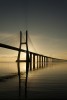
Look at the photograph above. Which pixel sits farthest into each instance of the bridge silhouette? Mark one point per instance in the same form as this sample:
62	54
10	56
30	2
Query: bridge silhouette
31	57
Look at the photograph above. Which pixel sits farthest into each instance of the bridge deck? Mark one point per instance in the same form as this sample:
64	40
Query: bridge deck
17	49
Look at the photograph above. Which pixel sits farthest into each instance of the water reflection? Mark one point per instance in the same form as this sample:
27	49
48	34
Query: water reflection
19	77
26	78
49	81
46	79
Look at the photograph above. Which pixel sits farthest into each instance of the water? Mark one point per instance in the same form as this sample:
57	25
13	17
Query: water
46	83
49	83
8	68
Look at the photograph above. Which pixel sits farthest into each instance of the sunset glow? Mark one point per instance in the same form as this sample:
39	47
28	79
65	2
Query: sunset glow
45	22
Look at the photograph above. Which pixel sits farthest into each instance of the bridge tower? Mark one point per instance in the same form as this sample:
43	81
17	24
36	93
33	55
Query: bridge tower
19	52
27	54
23	43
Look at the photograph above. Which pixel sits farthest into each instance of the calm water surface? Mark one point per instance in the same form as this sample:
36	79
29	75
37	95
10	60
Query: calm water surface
46	83
7	68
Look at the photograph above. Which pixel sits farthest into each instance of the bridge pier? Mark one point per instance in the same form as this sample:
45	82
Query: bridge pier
37	61
33	61
46	61
50	59
42	61
30	61
18	58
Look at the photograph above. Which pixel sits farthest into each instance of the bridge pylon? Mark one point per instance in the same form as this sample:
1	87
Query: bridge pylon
23	43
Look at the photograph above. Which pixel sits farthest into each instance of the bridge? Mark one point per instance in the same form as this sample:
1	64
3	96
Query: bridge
31	57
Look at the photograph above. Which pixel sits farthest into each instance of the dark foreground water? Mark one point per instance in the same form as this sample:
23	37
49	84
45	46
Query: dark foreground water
46	83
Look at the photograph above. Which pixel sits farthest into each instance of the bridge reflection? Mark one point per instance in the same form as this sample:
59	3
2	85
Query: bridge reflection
26	78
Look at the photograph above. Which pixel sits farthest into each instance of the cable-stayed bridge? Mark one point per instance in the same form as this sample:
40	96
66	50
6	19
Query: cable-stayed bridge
31	57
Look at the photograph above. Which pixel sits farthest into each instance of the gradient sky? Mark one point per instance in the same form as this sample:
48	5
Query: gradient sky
45	20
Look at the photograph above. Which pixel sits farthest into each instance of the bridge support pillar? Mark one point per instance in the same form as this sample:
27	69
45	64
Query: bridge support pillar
18	58
46	61
37	61
33	61
30	61
42	61
52	59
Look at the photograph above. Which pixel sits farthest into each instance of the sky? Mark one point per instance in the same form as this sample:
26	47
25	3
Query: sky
45	20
